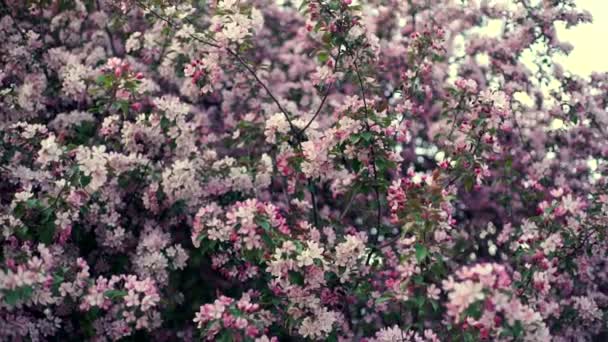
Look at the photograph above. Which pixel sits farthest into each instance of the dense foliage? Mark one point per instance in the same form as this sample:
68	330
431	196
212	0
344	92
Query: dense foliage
299	170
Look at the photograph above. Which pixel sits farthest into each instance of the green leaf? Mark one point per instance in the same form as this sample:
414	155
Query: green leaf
207	245
20	294
19	210
46	233
367	136
303	5
296	278
33	203
11	297
123	106
354	138
469	337
84	132
434	304
264	224
333	337
419	301
106	80
57	281
474	310
383	299
268	241
225	336
421	252
323	56
468	183
113	294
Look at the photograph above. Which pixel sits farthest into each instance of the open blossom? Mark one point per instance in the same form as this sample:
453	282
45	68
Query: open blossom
50	151
349	251
462	295
74	78
571	204
497	100
93	163
588	308
228	4
241	315
324	75
310	254
396	199
319	326
317	161
395	334
180	182
469	85
235	26
275	124
172	107
234	31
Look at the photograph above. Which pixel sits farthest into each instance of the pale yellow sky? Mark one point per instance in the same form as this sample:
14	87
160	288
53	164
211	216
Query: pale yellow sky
590	40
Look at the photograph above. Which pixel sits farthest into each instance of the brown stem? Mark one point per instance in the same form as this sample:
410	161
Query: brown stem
230	52
372	152
324	96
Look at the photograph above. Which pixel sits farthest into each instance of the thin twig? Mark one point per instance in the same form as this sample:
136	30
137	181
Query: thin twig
315	215
324	96
230	52
372	152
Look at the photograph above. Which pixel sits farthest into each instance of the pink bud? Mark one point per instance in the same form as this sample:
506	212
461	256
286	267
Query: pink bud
136	106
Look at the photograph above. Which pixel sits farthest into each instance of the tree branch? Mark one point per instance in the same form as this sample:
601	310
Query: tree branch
230	52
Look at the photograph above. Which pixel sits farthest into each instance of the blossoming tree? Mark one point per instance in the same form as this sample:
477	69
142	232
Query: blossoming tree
266	170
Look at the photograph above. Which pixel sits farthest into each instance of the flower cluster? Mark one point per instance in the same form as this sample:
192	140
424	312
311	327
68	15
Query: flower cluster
327	170
481	298
234	319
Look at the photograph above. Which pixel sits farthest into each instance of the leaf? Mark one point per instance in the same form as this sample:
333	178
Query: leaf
207	245
225	336
326	38
383	299
33	203
113	294
11	297
20	294
123	106
474	310
296	278
421	252
303	5
106	80
57	281
323	57
419	301
469	337
434	304
85	180
19	210
46	233
354	138
264	224
468	183
367	136
268	241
